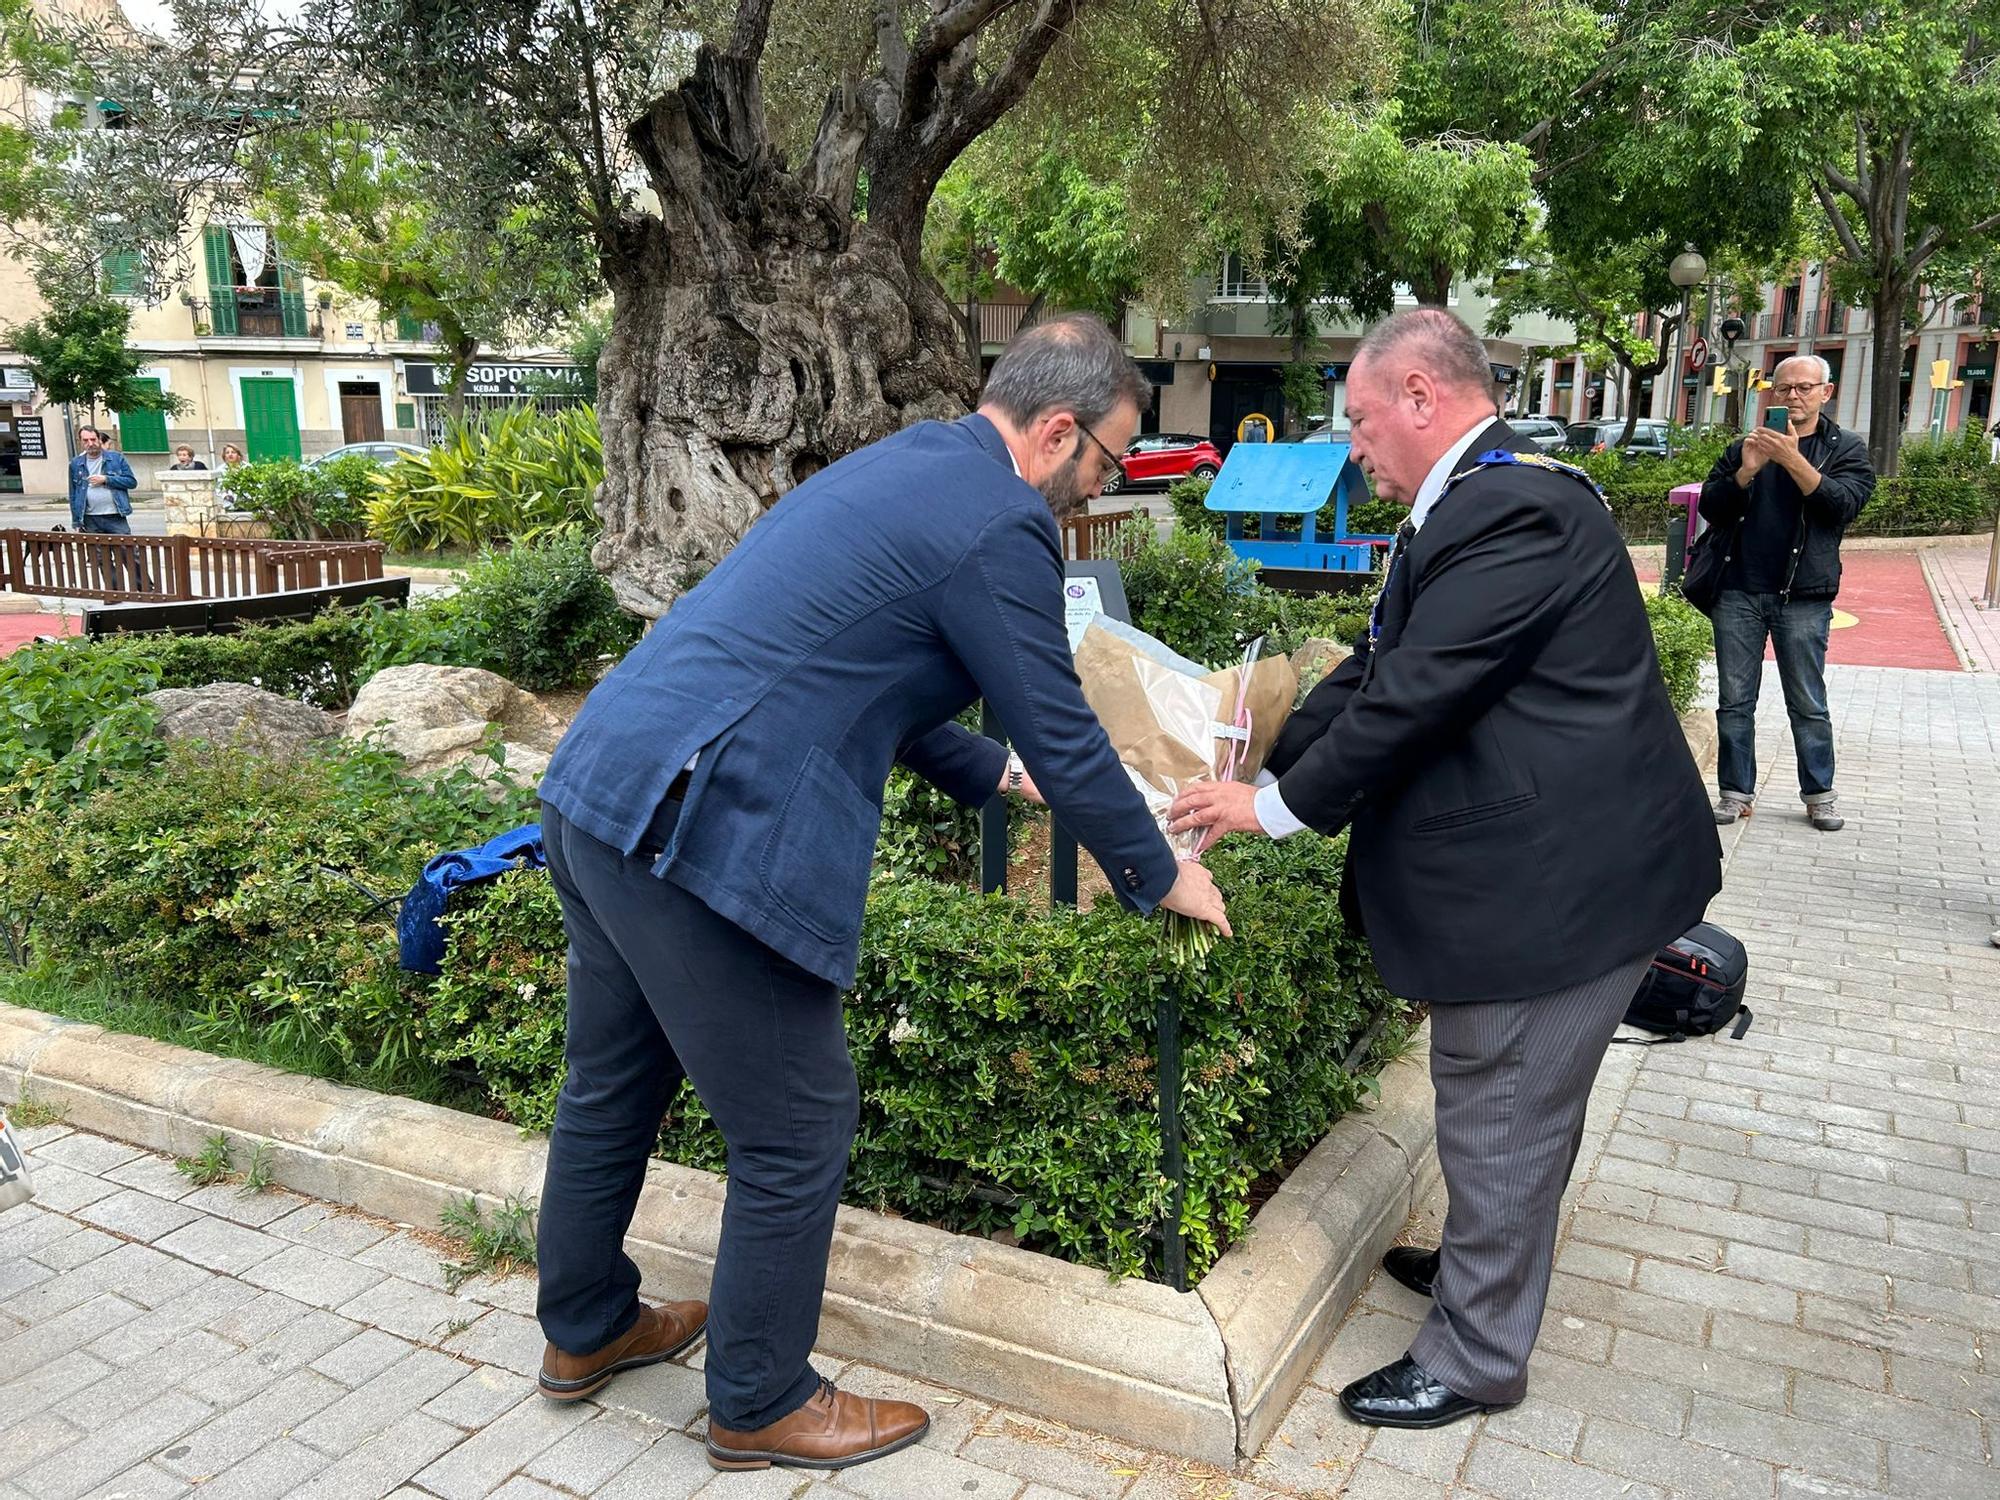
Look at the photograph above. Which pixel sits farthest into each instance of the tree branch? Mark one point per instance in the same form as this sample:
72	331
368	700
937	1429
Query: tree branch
890	46
753	26
1004	89
949	27
1843	231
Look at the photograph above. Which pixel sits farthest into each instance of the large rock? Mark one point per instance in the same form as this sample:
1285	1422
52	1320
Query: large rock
235	713
437	717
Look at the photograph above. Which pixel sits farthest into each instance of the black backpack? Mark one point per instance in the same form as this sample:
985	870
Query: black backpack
1694	988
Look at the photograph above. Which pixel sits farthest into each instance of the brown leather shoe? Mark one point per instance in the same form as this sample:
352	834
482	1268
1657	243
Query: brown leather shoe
831	1431
660	1334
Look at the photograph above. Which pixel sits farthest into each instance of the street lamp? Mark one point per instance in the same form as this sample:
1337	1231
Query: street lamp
1687	272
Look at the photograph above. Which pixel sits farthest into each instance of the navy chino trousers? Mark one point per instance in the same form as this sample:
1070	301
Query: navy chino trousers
661	988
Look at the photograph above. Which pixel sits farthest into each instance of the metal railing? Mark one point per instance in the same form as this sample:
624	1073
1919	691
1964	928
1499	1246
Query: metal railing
166	569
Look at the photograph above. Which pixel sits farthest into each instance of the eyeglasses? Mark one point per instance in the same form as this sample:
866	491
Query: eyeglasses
1112	465
1797	388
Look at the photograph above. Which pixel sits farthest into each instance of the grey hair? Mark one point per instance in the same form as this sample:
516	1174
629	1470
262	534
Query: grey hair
1825	369
1441	342
1070	363
93	428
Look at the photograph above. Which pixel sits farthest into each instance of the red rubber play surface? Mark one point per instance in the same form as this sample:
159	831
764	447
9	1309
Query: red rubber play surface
18	630
1884	617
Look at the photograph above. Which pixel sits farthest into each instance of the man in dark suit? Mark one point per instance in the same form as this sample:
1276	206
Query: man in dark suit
1527	828
709	823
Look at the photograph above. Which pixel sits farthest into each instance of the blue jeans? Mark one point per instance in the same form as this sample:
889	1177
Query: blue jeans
112	524
1797	630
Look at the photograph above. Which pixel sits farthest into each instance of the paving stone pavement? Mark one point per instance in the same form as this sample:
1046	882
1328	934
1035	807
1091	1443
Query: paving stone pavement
1780	1277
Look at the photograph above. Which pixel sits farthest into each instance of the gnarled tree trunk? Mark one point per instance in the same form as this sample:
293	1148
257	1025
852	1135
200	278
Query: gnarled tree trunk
759	333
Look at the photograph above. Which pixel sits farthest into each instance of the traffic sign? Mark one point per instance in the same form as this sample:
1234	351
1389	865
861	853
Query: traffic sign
1698	353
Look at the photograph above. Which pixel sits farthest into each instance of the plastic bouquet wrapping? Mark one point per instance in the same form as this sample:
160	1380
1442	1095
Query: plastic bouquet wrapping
1174	722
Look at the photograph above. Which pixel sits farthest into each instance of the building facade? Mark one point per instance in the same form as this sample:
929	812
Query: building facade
1222	363
1803	317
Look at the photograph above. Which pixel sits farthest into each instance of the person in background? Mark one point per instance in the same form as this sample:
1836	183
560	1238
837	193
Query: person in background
184	461
1790	495
100	489
232	456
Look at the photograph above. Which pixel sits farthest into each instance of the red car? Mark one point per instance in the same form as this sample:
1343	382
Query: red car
1160	458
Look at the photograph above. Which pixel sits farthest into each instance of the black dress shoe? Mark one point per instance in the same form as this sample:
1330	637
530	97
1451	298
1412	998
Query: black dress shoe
1406	1395
1416	1269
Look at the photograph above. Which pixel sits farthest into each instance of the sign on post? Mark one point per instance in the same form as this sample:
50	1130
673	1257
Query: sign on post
1090	588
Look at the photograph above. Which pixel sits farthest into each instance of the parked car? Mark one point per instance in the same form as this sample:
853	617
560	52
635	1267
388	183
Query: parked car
1157	459
1546	433
1648	438
376	452
1330	433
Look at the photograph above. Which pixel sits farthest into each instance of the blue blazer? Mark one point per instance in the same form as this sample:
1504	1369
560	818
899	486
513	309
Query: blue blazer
841	635
117	478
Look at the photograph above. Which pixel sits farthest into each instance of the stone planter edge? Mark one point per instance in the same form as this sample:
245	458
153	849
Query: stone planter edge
1208	1373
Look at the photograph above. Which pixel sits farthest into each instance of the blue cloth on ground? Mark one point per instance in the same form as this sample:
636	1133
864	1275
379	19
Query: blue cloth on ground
420	940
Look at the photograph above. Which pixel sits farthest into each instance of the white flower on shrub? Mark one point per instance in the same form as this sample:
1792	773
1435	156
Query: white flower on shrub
902	1031
526	989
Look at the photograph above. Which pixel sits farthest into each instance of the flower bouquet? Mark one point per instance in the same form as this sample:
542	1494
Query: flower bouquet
1174	722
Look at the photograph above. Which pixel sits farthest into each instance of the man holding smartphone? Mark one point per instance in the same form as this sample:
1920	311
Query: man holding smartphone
1785	494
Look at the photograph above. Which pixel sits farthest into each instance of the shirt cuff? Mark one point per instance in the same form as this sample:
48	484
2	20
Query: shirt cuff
1275	818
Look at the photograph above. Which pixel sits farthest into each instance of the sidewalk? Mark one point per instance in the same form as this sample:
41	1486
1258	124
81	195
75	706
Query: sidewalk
1780	1280
1957	575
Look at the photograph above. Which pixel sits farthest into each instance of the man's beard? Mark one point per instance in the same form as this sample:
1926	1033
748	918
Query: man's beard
1063	490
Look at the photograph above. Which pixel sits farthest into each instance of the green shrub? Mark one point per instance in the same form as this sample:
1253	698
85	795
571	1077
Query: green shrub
926	833
1933	504
1684	640
1011	1050
1185	498
51	693
1365	517
219	881
326	500
537	613
1192	592
511	477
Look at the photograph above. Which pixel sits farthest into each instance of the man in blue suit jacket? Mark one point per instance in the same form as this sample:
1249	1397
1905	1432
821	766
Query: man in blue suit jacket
710	821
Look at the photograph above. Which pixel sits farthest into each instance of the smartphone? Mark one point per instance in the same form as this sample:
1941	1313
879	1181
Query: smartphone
1778	419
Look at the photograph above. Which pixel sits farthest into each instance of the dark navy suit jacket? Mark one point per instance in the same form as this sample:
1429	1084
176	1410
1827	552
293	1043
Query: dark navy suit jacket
843	634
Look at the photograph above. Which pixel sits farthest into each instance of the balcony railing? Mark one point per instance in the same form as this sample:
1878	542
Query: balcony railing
1000	321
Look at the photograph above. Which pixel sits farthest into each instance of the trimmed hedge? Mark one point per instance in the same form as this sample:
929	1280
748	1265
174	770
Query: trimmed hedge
1684	640
1005	1053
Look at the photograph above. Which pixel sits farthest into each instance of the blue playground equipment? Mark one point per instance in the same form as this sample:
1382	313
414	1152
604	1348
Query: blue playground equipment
1293	481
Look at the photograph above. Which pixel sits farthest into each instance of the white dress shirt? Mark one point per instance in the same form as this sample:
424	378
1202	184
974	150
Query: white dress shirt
1275	818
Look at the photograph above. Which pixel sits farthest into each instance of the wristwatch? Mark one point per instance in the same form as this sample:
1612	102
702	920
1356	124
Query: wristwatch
1015	771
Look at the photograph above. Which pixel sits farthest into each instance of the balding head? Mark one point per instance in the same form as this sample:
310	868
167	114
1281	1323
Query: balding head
1419	382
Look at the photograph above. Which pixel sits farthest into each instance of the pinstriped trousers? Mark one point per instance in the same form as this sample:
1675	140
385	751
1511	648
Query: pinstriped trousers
1513	1078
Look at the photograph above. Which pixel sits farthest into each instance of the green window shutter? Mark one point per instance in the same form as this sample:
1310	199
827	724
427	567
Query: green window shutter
270	418
292	299
408	329
143	431
124	273
221	280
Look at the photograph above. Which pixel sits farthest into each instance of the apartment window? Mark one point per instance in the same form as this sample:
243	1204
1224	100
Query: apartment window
251	289
124	273
1235	280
